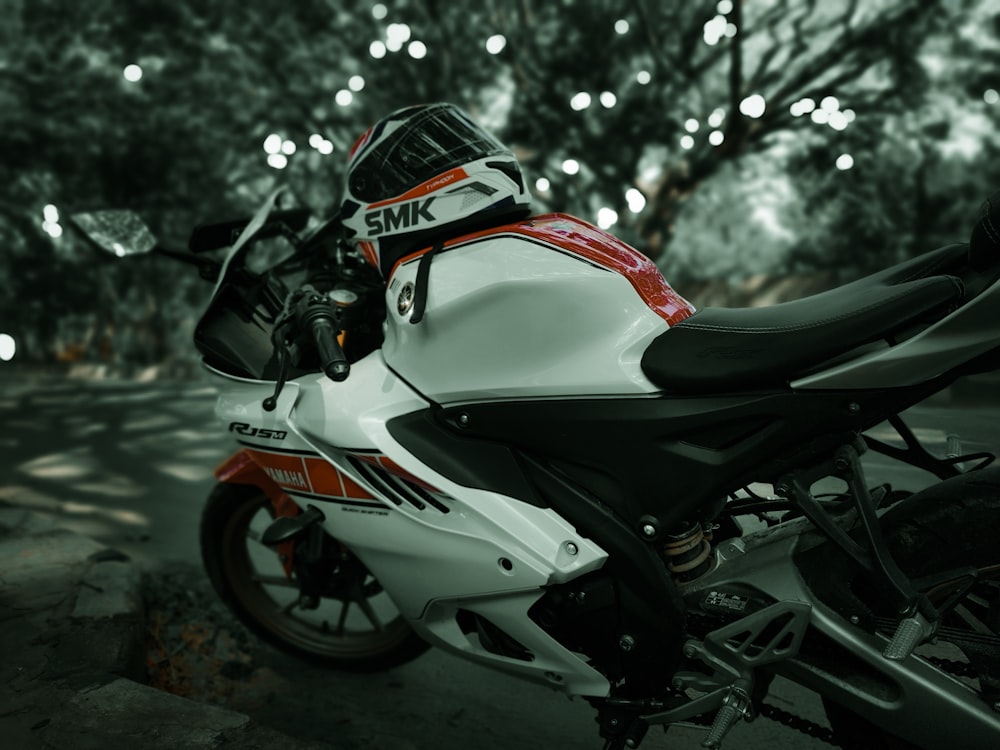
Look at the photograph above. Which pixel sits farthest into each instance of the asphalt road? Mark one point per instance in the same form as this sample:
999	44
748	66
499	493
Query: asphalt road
130	464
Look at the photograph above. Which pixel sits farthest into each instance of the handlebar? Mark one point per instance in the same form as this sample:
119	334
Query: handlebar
331	355
307	309
317	313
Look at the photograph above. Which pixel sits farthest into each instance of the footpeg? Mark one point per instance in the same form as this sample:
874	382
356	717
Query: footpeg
736	706
953	450
909	634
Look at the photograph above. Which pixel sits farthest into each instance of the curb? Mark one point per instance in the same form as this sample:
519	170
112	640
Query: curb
72	632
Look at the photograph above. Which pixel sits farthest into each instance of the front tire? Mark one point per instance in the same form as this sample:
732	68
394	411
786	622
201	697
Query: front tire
355	628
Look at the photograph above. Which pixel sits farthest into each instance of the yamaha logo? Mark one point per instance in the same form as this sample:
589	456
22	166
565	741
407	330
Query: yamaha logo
405	300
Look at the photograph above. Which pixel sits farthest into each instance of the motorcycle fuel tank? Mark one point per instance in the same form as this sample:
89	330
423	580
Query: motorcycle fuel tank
549	306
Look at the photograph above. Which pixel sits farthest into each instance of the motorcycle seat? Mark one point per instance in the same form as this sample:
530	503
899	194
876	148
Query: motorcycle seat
727	349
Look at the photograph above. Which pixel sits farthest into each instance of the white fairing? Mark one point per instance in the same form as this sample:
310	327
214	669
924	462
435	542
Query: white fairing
488	554
551	307
508	317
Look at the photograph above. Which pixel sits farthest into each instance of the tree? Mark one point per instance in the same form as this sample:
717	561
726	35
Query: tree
697	86
194	109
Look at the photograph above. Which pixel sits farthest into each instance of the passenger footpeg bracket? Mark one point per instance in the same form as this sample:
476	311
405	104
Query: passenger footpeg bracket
920	617
733	651
769	635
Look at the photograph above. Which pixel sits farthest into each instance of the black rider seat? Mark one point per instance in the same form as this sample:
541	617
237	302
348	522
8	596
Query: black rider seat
728	349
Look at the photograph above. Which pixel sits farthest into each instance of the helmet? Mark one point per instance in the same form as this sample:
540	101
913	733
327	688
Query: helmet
426	173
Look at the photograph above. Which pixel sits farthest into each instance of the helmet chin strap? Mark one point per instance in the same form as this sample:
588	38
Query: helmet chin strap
423	277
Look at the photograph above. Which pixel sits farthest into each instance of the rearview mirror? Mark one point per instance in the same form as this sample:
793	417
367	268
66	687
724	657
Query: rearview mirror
117	232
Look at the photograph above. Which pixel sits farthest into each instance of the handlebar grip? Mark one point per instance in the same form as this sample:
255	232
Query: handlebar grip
331	356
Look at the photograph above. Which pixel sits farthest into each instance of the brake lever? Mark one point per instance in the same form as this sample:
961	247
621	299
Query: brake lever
281	352
279	340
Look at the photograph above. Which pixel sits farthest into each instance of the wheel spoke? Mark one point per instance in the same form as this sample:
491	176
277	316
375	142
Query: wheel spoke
366	607
972	621
342	620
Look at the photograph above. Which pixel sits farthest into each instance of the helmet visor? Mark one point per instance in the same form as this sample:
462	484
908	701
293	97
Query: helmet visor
438	139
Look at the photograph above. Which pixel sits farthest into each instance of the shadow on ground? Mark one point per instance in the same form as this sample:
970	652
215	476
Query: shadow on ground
128	464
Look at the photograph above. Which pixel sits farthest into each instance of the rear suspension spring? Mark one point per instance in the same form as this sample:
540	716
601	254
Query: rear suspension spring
687	552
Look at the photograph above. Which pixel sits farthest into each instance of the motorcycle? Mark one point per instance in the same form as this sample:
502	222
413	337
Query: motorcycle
535	454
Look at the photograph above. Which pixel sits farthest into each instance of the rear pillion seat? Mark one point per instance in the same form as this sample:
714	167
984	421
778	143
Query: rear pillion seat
724	349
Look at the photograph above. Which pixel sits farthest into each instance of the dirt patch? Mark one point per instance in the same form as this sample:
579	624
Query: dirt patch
197	649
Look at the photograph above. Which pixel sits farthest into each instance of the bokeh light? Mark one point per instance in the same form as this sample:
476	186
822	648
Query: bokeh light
753	106
838	120
802	107
377	49
542	185
643	77
132	73
716	137
607	217
8	347
621	26
343	97
571	166
379	11
608	99
580	100
635	199
496	43
845	162
820	116
397	34
687	142
50	223
356	83
272	144
714	30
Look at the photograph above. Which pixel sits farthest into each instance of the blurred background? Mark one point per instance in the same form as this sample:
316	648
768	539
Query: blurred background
757	150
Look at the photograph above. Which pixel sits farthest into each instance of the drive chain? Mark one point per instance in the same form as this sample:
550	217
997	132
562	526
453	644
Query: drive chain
954	668
823	734
790	720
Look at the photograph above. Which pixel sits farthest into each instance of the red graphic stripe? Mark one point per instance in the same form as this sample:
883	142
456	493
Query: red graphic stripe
597	246
606	250
453	175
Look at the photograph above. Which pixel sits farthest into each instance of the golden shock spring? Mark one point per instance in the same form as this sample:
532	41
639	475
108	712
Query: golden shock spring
687	552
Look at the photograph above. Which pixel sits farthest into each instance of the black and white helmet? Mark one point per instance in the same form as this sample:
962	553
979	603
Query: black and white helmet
423	173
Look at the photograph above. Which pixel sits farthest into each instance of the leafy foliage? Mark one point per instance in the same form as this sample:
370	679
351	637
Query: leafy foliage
749	193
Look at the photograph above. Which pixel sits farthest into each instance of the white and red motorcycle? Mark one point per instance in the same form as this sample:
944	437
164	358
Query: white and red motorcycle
521	445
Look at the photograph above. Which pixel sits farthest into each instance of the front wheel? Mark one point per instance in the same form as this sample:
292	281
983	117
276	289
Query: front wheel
356	627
